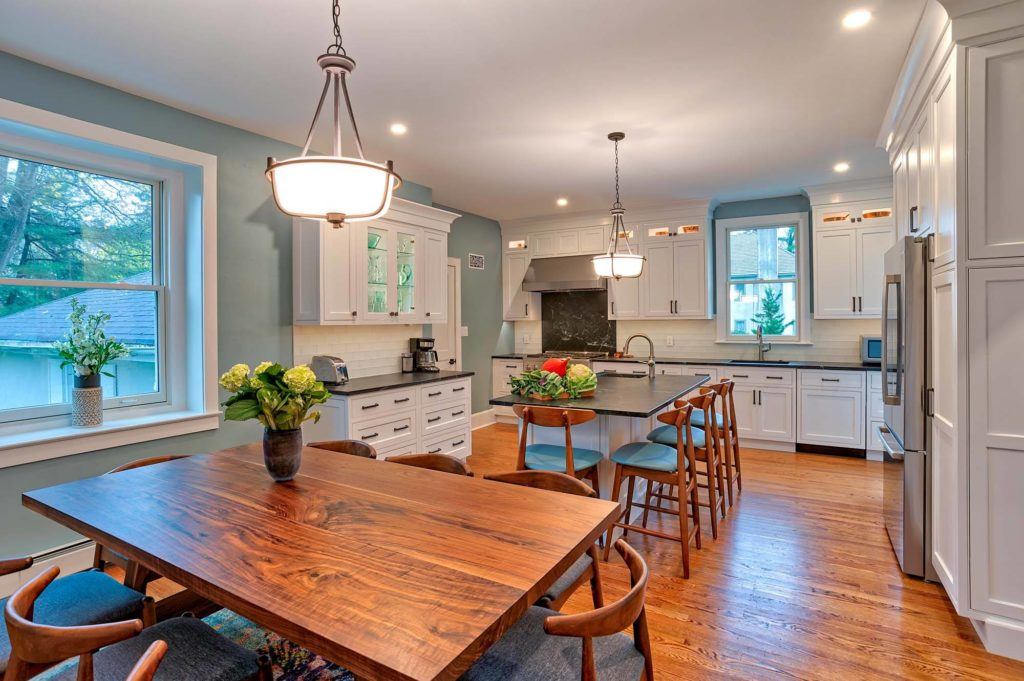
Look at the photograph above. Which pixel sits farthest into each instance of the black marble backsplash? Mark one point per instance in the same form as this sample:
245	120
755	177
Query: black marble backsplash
577	320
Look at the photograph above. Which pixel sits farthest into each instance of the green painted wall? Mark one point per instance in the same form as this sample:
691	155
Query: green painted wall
253	274
481	299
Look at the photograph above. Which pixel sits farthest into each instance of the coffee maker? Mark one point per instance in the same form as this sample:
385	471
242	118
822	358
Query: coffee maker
424	357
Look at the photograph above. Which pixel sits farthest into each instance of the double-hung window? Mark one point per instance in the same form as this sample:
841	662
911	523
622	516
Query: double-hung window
761	277
77	234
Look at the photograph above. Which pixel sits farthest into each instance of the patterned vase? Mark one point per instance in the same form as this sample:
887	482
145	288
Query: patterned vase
282	453
87	402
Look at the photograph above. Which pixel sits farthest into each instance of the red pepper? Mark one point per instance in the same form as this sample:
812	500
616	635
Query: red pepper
556	365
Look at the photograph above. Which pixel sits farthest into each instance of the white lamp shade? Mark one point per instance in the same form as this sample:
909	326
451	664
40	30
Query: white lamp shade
318	186
618	265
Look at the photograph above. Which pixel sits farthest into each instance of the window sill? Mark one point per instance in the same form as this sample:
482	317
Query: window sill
53	441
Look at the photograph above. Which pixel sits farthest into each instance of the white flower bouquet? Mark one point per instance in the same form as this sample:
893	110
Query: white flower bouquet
86	346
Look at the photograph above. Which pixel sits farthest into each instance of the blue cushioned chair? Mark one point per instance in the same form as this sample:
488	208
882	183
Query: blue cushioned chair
194	649
541	646
575	461
656	463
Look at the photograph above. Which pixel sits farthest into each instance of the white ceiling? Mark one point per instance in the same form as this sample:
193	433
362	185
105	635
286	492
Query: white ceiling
508	102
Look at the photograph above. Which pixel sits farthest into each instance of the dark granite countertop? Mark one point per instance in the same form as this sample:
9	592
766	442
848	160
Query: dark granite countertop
795	364
621	395
369	384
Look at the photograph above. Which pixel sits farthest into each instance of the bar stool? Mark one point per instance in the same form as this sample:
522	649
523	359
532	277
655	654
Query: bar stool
575	461
706	450
725	421
659	463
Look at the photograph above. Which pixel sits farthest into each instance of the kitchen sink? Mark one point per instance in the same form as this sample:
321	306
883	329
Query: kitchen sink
754	362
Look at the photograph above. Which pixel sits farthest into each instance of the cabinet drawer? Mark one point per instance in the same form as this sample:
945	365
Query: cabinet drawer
404	448
456	443
620	367
832	379
758	375
436	393
387	432
368	406
694	370
445	417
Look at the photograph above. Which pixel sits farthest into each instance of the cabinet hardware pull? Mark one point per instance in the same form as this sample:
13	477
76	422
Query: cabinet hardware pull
434	451
400	428
527	309
511	366
353	313
459	412
929	401
369	406
830	380
740	376
367	437
913	213
759	398
774	378
400	400
458	390
428	314
704	375
460	442
853	303
436	418
433	394
613	307
753	397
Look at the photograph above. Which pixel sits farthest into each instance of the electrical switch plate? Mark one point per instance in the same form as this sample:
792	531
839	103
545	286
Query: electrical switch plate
669	341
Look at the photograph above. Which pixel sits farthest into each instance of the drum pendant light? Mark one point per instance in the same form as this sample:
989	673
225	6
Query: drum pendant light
612	263
335	188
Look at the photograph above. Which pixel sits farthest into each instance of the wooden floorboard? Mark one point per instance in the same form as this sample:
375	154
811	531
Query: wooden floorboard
802	583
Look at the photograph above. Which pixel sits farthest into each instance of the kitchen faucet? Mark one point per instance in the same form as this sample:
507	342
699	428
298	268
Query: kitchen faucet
650	358
762	347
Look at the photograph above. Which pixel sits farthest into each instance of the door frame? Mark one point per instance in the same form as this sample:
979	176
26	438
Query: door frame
455	301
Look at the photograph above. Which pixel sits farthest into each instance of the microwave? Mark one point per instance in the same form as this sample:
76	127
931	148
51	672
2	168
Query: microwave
871	349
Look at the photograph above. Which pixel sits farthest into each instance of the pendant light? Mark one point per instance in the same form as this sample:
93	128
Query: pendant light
613	264
335	188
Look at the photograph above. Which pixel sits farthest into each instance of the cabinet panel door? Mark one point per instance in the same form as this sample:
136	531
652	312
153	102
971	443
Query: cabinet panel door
995	145
624	298
544	245
516	300
924	217
776	417
832	417
913	183
379	273
872	244
690	279
592	240
568	242
409	279
338	290
835	279
900	194
747	424
658	290
435	276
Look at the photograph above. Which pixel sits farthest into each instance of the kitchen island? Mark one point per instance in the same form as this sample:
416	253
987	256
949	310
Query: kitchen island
626	406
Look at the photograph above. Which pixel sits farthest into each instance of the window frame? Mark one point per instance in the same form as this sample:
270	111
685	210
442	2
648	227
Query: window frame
803	318
187	260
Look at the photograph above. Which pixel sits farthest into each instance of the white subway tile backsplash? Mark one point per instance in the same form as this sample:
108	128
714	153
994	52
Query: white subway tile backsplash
367	350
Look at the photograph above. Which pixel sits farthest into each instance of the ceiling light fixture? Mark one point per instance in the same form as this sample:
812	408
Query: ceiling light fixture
335	188
561	202
399	129
841	167
856	19
612	263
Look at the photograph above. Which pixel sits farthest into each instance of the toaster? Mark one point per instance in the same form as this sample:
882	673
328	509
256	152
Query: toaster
329	370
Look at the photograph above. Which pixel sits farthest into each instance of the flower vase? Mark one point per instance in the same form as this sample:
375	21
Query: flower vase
282	453
87	402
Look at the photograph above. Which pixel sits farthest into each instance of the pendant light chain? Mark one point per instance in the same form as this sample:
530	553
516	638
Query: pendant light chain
336	48
617	203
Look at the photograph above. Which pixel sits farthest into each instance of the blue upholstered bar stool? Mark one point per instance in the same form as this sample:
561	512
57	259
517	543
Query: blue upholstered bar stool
575	461
667	465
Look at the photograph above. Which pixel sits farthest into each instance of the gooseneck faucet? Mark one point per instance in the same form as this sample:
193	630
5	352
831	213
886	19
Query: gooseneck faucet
650	358
762	347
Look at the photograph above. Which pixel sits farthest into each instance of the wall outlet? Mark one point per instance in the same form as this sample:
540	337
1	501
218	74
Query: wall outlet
669	341
526	339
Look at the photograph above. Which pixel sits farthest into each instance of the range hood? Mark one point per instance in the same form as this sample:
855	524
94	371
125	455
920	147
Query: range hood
572	273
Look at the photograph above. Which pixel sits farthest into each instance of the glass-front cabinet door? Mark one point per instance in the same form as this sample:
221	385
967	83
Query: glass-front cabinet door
407	274
380	283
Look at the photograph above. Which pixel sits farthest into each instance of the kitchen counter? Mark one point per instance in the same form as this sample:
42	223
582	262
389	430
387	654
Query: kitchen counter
387	381
795	364
637	397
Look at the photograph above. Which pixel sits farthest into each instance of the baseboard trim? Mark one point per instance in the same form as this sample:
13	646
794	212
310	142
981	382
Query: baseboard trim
484	418
69	558
1001	636
772	445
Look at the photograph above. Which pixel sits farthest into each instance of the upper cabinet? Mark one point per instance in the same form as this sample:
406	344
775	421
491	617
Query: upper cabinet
386	271
517	302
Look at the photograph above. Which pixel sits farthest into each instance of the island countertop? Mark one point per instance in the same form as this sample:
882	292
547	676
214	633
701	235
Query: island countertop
635	396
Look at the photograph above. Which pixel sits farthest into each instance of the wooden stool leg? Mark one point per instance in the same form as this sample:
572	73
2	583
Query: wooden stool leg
647	502
736	461
629	503
694	504
710	466
616	487
727	449
719	466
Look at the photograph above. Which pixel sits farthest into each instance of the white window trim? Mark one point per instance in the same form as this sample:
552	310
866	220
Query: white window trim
803	303
189	179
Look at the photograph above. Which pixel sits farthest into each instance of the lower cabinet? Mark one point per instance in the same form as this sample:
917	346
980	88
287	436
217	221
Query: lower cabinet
765	402
435	417
501	371
831	408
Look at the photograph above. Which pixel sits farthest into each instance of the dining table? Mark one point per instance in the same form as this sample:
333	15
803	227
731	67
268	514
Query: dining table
391	571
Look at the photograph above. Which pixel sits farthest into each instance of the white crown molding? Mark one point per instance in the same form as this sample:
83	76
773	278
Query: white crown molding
854	190
976	22
690	209
420	215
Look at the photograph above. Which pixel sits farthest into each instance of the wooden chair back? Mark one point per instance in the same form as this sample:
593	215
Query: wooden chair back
352	447
34	647
549	480
435	462
149	461
550	417
146	667
11	565
727	406
680	418
705	402
613	618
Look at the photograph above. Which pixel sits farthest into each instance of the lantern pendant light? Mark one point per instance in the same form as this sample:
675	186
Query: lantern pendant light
612	263
335	188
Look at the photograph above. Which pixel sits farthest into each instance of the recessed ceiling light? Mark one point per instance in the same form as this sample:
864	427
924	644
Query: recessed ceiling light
562	202
399	128
857	18
841	167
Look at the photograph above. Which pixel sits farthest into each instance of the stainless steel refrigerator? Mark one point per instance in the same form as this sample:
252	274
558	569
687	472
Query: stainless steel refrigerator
906	393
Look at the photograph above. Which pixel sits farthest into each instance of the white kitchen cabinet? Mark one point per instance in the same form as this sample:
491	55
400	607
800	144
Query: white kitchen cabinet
322	292
518	303
900	193
872	243
765	401
831	408
435	277
848	269
659	281
944	107
775	414
948	500
593	240
624	298
544	245
675	283
502	369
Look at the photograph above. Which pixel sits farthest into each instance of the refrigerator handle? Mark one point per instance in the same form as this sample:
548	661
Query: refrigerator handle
892	399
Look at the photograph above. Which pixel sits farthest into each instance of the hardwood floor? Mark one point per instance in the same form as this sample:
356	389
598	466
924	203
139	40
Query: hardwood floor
802	583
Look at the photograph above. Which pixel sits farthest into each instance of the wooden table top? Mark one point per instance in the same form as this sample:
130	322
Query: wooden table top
392	571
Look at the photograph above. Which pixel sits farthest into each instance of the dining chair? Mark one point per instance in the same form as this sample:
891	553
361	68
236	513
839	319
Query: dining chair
434	462
146	667
80	598
654	463
706	448
586	566
575	461
352	447
543	643
111	651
